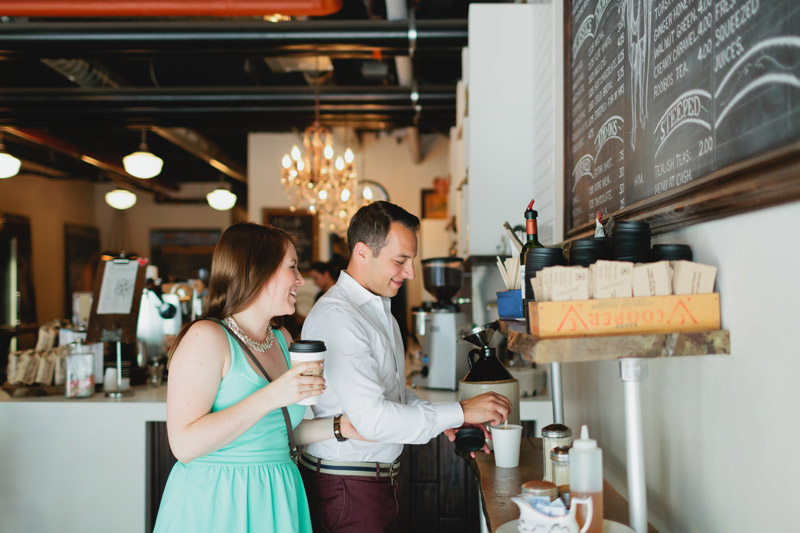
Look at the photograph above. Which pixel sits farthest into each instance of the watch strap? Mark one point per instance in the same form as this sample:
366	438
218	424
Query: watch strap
337	428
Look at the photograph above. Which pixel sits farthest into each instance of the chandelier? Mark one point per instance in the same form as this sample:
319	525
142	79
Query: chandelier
321	183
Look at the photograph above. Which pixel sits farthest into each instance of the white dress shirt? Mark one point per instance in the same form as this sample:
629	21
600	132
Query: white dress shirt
365	378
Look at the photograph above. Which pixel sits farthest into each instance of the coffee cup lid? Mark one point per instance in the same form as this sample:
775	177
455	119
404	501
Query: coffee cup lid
470	439
307	346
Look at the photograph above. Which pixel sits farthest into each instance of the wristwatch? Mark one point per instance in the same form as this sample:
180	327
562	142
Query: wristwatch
337	428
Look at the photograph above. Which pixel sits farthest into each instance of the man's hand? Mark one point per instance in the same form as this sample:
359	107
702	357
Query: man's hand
487	407
451	434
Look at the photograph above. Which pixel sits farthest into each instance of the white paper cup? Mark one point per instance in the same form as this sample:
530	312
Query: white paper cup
506	445
303	352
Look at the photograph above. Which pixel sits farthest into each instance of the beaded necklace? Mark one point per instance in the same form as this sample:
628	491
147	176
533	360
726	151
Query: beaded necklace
257	346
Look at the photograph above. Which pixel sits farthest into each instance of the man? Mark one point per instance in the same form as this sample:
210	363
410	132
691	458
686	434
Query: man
322	274
351	484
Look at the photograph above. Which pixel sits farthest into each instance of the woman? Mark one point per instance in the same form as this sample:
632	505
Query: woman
224	420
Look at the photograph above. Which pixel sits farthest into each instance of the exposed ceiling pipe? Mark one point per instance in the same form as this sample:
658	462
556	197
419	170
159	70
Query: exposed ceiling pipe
86	74
182	106
335	38
396	10
168	8
367	97
113	170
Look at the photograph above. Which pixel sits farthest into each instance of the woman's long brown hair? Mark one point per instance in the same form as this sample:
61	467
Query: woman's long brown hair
246	257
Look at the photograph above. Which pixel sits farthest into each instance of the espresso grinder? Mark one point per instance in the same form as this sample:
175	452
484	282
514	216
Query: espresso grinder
443	360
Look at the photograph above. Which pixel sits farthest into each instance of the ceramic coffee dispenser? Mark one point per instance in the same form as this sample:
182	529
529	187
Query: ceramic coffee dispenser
486	372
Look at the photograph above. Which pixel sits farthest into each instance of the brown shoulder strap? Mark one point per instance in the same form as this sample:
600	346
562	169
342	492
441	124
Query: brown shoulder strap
246	350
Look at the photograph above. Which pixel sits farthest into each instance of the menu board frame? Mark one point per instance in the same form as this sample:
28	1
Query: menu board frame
303	226
763	180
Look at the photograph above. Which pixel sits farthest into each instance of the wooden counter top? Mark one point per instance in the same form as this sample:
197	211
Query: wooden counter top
498	485
580	349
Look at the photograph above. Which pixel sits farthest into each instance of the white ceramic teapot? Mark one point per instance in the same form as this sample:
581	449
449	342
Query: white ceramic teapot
533	521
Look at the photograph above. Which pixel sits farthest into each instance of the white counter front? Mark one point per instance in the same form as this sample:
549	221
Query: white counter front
76	465
80	465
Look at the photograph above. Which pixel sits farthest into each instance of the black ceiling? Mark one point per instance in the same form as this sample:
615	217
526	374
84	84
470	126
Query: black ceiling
72	88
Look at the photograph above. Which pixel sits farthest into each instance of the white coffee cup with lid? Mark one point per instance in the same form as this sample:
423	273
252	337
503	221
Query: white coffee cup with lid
308	351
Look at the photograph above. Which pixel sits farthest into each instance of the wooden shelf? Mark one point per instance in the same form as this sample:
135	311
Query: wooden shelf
609	348
498	485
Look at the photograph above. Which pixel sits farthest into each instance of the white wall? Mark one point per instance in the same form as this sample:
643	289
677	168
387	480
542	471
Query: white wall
720	433
49	204
384	158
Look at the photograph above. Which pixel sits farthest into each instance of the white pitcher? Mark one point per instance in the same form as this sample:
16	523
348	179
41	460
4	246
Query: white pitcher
532	521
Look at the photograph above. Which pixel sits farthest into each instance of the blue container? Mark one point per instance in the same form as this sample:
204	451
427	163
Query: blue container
509	304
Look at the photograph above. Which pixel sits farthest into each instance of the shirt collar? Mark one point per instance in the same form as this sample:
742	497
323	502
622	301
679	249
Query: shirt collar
357	293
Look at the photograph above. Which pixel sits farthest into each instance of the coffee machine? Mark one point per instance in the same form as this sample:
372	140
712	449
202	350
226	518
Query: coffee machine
437	325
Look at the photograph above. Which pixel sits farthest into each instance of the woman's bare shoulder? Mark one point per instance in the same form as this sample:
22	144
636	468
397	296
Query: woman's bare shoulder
203	336
207	330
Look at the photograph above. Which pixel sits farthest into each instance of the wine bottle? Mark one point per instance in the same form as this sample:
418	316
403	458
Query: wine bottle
532	241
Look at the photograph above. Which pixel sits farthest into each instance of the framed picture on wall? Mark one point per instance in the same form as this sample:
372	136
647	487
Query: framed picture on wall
179	254
303	226
434	205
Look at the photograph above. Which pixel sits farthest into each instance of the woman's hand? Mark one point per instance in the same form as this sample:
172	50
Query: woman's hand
349	431
297	384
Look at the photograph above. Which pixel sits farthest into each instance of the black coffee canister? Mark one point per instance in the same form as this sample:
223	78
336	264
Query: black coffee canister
535	260
630	241
671	252
584	252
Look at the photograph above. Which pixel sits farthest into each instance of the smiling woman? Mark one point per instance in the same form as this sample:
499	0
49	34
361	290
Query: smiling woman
232	413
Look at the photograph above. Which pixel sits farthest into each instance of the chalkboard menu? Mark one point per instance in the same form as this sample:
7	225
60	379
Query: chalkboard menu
303	226
664	96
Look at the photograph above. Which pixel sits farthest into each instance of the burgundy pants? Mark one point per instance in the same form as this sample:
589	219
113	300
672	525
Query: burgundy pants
351	504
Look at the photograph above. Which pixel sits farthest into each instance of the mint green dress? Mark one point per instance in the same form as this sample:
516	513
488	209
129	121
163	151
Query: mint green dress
250	484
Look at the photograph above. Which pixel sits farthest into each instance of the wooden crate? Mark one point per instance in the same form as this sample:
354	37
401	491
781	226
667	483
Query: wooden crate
620	316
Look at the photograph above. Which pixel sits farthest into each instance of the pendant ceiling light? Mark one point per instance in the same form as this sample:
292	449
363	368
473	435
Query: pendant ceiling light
221	199
142	164
120	199
9	165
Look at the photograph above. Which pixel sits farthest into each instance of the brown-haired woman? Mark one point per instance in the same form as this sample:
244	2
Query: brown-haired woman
224	420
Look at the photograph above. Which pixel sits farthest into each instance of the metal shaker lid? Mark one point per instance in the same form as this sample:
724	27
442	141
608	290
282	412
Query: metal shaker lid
556	431
540	488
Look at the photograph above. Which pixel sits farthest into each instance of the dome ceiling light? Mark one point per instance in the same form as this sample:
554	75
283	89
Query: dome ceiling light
9	165
120	199
142	164
221	199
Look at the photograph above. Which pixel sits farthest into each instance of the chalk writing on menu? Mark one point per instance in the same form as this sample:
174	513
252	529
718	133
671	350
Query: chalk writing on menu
116	291
664	92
